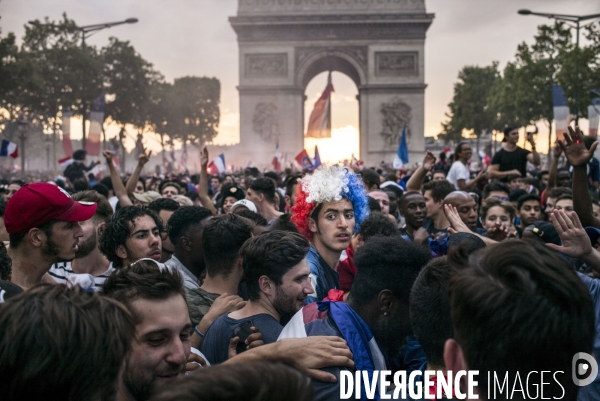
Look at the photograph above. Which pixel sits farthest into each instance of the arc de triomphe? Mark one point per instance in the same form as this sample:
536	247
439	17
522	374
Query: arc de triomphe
283	44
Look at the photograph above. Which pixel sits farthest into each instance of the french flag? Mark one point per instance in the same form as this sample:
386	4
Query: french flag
9	149
217	166
66	161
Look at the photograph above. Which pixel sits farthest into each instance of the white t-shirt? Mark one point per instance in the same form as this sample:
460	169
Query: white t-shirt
458	171
63	273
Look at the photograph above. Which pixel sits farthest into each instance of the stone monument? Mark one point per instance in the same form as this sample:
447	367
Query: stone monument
283	44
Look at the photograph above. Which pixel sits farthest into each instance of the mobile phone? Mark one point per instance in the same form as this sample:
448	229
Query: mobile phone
243	331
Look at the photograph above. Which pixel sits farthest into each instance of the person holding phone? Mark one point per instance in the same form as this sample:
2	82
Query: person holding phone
511	159
276	273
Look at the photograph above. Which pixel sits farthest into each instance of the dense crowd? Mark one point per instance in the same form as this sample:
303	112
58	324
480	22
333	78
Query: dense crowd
241	286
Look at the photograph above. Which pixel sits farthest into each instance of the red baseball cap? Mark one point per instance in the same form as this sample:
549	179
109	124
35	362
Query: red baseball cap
37	204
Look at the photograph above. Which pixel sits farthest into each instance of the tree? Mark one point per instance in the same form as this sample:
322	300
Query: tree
470	108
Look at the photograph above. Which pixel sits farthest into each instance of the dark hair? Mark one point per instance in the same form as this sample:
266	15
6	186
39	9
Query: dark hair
255	381
143	280
458	148
217	177
515	194
541	174
2	207
222	239
283	223
107	182
264	186
558	192
5	263
467	241
81	184
495	186
163	204
193	195
271	254
370	177
272	175
101	189
440	171
373	204
15	239
565	196
430	309
184	219
512	304
508	129
104	210
118	229
62	344
377	224
525	198
252	216
290	183
165	184
532	181
439	189
387	263
79	155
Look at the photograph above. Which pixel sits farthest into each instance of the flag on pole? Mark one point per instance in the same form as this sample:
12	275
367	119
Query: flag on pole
217	166
304	161
9	148
561	111
401	157
92	145
484	159
276	162
319	123
66	131
317	161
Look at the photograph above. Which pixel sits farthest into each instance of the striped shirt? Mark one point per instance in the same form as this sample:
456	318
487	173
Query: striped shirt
62	272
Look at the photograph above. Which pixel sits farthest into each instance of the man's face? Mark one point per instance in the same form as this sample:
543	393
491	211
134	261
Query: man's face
465	152
215	184
295	286
433	207
565	205
169	192
251	195
334	225
497	216
143	242
530	211
545	179
414	210
467	210
439	176
515	183
393	201
167	245
564	179
383	199
11	190
63	242
550	204
596	210
513	137
161	345
89	241
291	200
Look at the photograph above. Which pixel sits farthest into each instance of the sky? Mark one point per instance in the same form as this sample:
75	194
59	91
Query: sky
194	37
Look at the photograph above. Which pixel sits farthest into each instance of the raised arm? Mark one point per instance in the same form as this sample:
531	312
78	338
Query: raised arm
553	173
416	180
579	156
132	181
534	156
118	187
203	187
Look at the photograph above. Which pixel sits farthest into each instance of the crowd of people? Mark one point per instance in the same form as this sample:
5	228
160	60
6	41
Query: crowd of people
267	286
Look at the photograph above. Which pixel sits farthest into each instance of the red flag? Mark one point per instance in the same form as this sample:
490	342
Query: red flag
276	162
303	160
319	123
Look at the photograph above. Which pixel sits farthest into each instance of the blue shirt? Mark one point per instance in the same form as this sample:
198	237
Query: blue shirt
322	277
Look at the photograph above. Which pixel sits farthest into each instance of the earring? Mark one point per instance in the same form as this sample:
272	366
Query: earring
384	313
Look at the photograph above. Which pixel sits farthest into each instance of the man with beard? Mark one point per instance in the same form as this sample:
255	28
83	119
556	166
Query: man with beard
465	206
528	211
331	205
42	221
413	208
133	233
375	319
276	275
90	267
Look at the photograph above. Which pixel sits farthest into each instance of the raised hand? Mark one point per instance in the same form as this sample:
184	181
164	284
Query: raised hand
144	156
574	148
108	155
575	241
204	157
456	223
428	161
557	150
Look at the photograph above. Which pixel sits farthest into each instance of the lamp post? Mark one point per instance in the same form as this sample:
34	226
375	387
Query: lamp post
568	18
23	127
86	32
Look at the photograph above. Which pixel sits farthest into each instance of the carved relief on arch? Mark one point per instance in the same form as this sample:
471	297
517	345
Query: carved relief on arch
266	122
395	114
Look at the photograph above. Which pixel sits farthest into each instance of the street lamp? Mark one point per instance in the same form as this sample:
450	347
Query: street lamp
23	127
569	18
86	32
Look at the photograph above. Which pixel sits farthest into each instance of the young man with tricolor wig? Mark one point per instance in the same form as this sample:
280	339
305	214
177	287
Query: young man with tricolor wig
330	206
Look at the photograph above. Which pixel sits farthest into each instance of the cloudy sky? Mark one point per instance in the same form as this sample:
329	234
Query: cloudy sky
193	37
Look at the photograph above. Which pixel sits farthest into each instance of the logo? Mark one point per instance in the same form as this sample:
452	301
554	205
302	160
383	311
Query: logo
584	369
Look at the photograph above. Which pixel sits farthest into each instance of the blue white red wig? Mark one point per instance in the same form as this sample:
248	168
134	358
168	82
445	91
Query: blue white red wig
329	184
